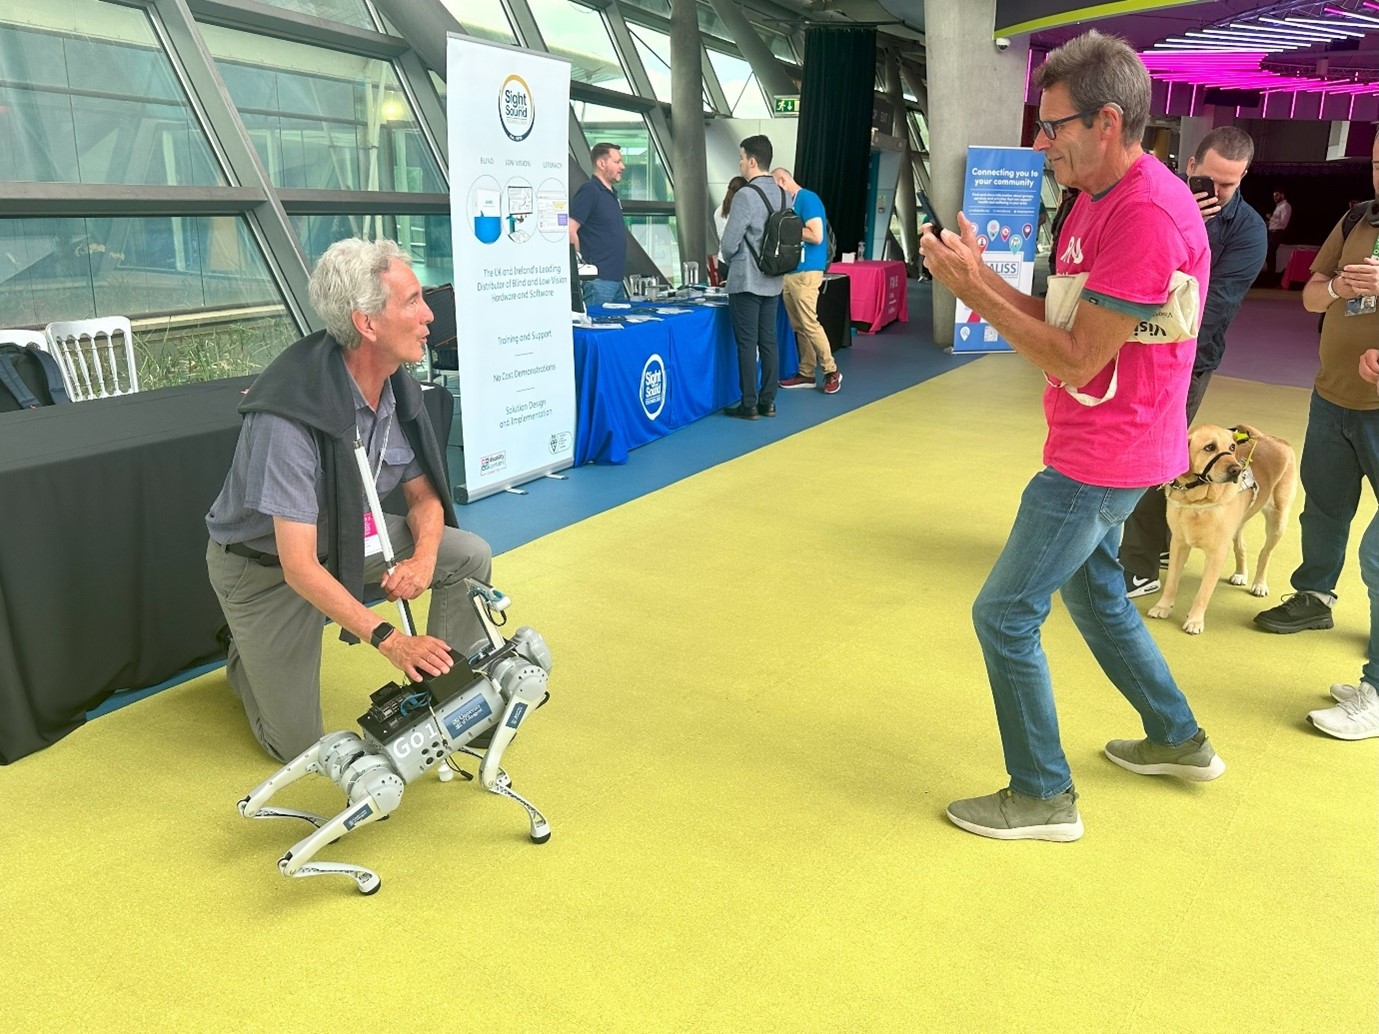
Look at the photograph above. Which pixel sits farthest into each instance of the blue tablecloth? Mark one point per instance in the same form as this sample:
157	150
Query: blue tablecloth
640	381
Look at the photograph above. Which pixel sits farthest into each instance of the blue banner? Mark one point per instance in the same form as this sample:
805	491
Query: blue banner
1001	197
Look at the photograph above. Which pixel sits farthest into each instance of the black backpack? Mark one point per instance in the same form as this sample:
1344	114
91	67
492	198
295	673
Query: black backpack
781	239
29	378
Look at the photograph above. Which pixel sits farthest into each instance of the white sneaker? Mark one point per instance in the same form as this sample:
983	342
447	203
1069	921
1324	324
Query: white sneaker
1341	691
1353	719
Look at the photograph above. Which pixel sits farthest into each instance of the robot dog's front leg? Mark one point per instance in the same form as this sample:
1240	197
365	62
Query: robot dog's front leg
374	790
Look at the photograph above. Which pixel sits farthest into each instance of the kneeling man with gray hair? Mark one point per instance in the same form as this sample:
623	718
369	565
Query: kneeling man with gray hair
289	547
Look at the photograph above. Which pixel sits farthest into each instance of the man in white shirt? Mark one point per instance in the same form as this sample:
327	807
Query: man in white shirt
1279	219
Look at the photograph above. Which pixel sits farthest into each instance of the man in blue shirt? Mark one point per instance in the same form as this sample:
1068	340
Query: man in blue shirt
801	289
1239	241
596	227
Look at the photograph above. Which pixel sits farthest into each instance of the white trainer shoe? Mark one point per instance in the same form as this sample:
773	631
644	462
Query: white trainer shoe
1341	691
1356	718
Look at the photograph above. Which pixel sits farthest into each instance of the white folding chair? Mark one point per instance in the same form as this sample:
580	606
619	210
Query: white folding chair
91	364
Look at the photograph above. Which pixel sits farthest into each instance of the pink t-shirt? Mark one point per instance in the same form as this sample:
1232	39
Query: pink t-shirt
1130	241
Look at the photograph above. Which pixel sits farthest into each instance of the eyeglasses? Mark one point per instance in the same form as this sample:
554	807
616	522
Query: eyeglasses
1049	127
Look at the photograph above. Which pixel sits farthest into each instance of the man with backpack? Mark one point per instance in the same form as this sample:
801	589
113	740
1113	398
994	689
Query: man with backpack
801	289
761	243
1341	450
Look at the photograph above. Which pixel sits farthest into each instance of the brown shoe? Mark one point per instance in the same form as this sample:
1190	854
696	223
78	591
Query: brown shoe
832	382
798	381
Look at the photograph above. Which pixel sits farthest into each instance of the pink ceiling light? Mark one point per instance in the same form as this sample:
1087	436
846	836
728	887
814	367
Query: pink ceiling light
1231	55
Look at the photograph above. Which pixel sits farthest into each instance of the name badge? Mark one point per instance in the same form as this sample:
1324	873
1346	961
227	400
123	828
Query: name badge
372	542
1361	306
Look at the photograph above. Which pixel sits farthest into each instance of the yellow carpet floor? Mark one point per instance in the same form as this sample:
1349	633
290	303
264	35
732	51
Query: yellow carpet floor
766	690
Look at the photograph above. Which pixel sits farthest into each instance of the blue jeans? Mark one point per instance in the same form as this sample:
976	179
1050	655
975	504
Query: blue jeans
1065	537
1369	568
597	292
1340	451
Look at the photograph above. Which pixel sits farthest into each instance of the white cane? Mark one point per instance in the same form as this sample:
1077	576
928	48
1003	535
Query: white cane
380	525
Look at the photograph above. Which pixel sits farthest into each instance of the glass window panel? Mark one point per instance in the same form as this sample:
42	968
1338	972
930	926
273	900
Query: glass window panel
920	125
482	18
712	25
780	46
656	235
575	32
654	49
88	96
739	82
644	174
348	12
322	119
661	7
425	237
196	288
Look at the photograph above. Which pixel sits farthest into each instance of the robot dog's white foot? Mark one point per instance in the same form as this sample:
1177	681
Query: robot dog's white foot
367	879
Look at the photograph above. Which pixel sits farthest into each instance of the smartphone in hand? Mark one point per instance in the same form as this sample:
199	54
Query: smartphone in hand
1201	185
930	216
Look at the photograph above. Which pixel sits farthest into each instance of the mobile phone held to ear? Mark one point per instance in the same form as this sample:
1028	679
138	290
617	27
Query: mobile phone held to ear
1201	185
930	216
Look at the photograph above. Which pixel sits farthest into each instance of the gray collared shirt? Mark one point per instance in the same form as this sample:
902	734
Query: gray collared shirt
276	472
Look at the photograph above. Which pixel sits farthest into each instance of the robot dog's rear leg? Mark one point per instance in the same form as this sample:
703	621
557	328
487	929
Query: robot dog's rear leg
334	750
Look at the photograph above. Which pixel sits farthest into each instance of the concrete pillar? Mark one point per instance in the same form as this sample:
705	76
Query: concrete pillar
774	79
976	96
1191	129
905	187
687	134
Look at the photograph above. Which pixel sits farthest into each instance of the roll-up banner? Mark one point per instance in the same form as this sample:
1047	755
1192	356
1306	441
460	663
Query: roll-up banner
1001	197
509	116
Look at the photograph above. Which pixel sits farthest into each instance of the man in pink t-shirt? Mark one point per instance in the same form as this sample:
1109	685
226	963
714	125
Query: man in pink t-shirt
1115	413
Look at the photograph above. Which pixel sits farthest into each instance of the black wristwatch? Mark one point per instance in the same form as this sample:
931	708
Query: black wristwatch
381	632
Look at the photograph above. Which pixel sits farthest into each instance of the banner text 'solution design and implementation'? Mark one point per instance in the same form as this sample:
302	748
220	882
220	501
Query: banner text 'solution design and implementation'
1001	197
509	120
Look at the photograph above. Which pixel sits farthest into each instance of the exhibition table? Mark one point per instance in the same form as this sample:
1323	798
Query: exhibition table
878	291
102	549
1299	268
635	382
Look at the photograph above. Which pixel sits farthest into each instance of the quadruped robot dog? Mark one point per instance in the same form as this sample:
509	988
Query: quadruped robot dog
410	730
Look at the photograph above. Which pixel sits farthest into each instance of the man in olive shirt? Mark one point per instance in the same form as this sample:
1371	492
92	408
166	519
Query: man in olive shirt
1342	445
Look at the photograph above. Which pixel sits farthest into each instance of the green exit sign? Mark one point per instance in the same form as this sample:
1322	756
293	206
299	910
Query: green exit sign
788	105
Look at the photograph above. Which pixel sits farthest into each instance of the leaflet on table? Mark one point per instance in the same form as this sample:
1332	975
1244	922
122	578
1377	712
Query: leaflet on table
508	115
1001	197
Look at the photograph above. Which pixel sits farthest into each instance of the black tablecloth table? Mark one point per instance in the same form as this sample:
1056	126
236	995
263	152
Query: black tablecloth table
835	309
102	549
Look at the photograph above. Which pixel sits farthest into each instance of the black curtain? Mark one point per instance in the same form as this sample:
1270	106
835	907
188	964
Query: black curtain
833	152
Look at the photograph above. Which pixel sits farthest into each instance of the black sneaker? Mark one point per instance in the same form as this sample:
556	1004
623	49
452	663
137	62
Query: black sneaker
1163	560
766	408
741	411
1137	586
1298	612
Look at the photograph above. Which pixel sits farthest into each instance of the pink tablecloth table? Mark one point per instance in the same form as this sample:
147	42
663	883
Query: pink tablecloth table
1299	268
878	292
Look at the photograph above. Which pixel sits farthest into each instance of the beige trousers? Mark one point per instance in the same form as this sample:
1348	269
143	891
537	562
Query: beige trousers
801	293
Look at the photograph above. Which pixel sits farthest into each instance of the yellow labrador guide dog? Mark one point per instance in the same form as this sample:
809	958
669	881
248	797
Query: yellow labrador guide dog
1233	474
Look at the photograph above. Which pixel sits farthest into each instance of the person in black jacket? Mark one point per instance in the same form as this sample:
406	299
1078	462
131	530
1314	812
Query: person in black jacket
289	543
1239	241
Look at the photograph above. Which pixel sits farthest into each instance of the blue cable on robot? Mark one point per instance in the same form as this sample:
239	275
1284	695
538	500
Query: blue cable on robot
410	730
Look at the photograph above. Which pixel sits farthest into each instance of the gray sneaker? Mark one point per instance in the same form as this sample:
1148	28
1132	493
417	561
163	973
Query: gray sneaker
1007	815
1192	759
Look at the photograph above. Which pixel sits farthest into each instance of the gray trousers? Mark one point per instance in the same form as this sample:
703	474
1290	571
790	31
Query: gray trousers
274	660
